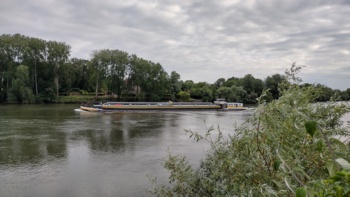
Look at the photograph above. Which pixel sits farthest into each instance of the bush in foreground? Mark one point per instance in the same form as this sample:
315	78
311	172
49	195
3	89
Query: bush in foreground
287	148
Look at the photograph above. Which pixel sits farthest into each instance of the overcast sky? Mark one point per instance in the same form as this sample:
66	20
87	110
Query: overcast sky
202	40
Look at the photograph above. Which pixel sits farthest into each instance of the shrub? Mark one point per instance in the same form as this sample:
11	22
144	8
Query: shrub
284	148
84	92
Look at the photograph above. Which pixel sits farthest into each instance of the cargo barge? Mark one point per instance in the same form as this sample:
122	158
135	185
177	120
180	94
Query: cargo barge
219	104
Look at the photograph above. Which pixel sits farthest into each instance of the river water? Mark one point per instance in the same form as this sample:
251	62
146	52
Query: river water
50	150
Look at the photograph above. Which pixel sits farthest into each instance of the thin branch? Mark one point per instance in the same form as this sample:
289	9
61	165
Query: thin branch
260	151
290	170
328	144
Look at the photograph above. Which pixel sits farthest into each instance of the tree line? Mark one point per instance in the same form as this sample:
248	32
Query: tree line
34	70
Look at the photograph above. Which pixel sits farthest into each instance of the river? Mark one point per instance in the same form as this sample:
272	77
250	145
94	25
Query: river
50	150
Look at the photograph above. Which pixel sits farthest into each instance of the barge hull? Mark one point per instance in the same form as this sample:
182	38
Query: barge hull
160	107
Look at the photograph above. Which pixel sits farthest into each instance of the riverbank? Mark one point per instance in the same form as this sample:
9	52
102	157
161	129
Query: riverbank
77	99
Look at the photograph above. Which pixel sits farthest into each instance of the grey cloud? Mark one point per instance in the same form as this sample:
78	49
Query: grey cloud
201	40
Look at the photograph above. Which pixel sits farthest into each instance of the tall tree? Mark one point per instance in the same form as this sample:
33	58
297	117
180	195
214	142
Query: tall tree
67	76
99	63
272	82
136	75
202	90
248	83
225	92
175	84
187	85
117	68
34	53
220	82
232	81
325	93
239	93
82	73
156	83
57	54
206	93
254	87
11	53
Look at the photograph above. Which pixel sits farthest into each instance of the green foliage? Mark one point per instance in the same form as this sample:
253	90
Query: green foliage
233	81
147	80
83	92
253	87
175	84
311	127
184	96
225	92
219	83
3	95
206	93
337	184
270	155
42	58
239	94
58	53
187	85
325	93
20	91
272	83
202	90
300	192
66	77
116	72
75	99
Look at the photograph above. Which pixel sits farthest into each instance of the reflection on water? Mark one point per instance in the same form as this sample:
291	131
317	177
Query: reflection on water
50	150
29	137
17	149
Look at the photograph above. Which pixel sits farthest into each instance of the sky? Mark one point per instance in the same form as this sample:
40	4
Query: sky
202	40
